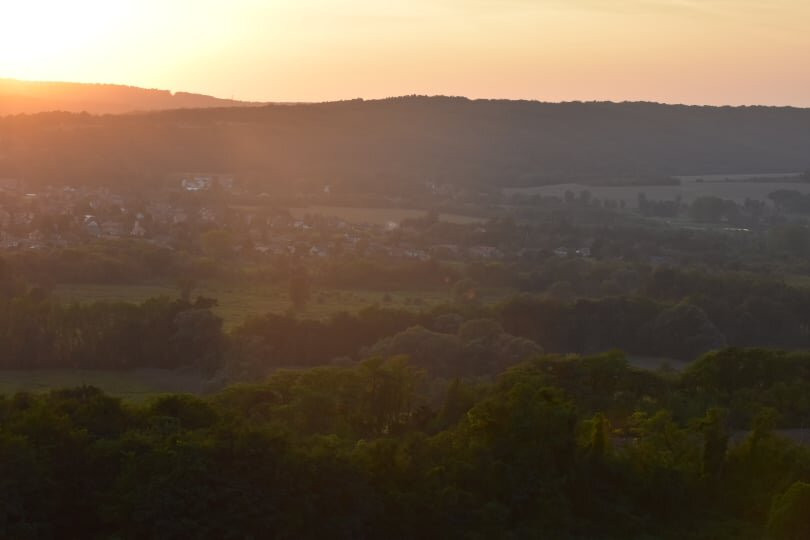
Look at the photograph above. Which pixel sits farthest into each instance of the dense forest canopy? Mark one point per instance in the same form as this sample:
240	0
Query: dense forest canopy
575	448
398	144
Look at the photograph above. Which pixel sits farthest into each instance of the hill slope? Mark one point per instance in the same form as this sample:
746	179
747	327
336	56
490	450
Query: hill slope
396	144
18	97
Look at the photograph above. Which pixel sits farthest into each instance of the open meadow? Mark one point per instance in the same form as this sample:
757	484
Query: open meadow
236	303
733	187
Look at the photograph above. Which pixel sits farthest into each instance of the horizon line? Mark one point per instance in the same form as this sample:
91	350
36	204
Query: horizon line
262	102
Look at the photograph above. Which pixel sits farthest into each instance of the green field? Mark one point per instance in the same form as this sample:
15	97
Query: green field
732	187
651	363
796	280
238	303
377	216
134	385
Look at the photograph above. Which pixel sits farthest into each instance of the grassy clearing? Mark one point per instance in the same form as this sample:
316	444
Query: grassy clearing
377	216
796	280
651	363
735	189
742	177
238	303
135	385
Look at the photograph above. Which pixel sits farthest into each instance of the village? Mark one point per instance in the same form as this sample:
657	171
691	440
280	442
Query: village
197	213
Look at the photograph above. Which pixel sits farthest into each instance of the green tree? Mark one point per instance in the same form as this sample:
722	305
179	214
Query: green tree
712	209
685	331
715	442
466	291
217	243
599	440
789	519
198	340
185	285
299	288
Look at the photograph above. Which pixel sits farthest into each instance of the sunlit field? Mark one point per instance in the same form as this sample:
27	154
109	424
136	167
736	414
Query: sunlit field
236	304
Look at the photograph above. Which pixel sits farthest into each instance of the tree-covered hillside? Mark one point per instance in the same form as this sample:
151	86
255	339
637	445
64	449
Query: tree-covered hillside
396	145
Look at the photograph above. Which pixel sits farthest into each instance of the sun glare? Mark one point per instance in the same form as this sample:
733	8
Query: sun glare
720	51
36	36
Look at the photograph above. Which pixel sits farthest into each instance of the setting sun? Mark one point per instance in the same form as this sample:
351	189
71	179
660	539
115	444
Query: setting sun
39	36
717	51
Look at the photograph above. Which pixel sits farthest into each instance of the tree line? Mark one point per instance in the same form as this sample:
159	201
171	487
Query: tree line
679	316
37	331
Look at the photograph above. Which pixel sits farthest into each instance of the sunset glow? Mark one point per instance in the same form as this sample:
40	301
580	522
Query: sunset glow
708	51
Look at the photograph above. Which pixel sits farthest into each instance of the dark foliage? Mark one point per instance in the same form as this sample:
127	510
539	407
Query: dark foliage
576	447
390	146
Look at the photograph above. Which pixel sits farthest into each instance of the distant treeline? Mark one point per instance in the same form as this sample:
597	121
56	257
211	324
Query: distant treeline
671	312
392	146
791	200
438	344
39	332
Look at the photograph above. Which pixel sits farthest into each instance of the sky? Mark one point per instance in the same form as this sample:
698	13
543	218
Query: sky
719	52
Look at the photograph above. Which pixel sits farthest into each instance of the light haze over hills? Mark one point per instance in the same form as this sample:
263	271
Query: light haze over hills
27	97
395	144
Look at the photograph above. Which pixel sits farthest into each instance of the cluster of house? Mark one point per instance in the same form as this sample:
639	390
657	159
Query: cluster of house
65	216
61	217
306	237
206	182
58	217
563	251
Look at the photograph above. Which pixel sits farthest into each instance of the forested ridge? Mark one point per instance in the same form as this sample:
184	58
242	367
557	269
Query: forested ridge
393	145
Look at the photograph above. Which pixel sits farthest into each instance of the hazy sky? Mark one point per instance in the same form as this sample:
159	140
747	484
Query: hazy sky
683	51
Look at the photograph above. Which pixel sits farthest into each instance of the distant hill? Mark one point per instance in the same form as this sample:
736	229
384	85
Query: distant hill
18	97
399	144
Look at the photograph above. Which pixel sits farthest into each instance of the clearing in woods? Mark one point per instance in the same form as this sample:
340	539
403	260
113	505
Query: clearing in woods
238	303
